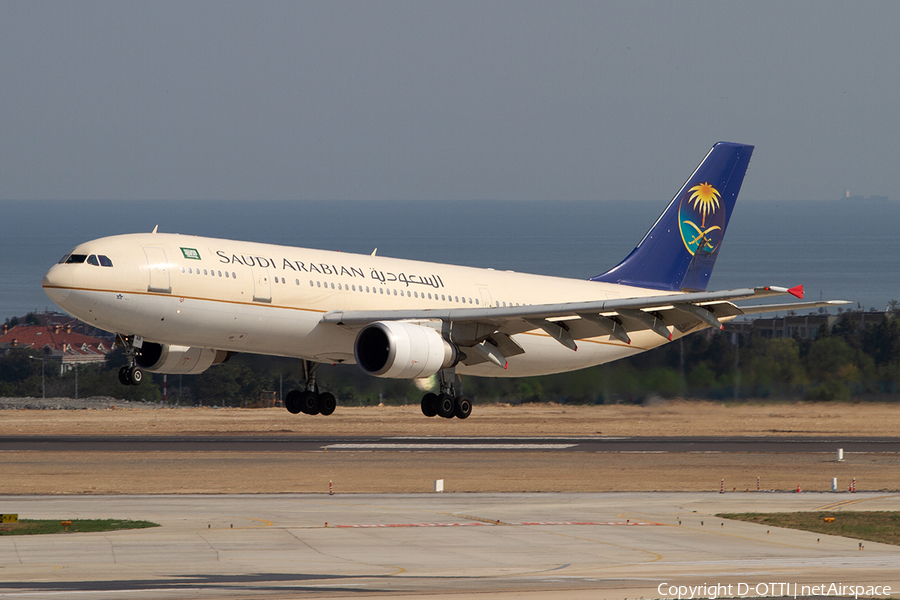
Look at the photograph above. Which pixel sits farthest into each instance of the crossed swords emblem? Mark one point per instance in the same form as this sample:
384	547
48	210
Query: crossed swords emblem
702	235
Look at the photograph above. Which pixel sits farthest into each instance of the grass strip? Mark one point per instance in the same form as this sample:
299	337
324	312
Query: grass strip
873	526
45	526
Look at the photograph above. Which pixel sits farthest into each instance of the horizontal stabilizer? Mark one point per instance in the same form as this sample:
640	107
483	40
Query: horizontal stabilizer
765	308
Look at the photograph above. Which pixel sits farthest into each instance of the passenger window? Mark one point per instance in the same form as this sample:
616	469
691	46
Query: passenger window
476	300
182	269
104	261
92	260
234	276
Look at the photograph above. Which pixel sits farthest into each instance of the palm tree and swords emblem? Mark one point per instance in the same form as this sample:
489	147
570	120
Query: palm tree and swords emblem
703	202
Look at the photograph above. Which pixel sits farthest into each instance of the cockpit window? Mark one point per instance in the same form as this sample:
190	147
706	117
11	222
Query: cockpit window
64	259
104	261
76	259
92	260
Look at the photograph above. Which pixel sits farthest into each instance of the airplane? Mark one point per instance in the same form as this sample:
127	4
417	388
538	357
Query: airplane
181	304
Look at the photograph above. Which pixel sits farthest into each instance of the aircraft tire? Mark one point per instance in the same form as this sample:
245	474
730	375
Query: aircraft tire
123	376
292	402
445	406
429	404
135	376
462	407
309	402
327	404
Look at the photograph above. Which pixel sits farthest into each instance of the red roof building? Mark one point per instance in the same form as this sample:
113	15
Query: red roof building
56	342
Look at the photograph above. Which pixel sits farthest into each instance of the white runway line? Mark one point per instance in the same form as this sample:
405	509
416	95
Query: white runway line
448	446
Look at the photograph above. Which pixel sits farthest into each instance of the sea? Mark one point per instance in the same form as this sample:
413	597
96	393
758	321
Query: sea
836	249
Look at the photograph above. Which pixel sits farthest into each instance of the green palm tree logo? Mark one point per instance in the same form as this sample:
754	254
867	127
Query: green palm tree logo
704	199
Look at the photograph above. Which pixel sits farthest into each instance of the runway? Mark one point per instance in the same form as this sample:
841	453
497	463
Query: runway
234	443
557	545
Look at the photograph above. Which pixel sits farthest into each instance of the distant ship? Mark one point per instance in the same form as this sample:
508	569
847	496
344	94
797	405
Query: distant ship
847	196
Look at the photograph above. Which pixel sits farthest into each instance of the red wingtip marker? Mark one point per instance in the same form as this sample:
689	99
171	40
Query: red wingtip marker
796	291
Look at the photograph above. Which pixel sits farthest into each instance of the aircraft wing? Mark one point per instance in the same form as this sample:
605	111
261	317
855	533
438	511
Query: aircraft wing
484	332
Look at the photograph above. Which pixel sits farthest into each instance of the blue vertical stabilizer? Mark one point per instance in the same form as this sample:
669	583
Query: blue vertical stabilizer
680	250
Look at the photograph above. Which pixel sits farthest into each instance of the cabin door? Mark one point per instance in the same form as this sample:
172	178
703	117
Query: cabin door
158	266
262	284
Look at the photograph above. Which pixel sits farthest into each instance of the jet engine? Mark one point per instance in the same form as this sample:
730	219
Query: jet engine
171	359
402	350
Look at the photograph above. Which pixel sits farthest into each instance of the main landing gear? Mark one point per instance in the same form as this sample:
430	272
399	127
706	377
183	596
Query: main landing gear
130	374
446	404
310	401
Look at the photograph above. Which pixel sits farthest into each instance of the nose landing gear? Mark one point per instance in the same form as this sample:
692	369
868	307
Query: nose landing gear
130	374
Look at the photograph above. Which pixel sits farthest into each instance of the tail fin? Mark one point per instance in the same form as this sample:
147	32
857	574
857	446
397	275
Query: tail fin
680	250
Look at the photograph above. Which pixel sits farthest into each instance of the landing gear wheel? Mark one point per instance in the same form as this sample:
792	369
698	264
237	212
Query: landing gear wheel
309	402
292	402
327	404
445	406
135	376
462	407
123	376
429	404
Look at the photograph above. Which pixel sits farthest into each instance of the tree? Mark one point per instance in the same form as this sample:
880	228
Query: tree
831	364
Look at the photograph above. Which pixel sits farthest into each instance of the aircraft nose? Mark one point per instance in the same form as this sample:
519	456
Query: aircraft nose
57	283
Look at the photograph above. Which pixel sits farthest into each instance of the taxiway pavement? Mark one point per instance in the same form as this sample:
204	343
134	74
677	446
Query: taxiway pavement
548	545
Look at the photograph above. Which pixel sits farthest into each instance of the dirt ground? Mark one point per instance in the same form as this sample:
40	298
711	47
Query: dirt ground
671	418
38	472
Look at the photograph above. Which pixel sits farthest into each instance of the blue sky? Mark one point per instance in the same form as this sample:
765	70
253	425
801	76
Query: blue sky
443	100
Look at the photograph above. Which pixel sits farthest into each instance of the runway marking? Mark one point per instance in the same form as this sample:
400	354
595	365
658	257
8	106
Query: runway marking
350	446
500	523
845	503
117	591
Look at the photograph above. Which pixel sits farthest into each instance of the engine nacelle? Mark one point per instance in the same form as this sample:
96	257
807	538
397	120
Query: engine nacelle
174	360
402	350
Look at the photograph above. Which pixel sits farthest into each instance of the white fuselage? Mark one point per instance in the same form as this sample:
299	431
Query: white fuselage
267	299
